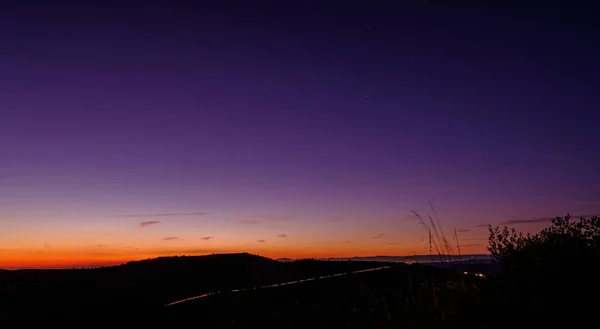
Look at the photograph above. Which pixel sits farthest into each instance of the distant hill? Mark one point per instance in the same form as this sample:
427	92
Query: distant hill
244	259
146	285
414	258
284	260
247	259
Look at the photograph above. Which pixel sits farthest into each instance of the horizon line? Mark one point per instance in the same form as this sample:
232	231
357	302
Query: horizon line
230	253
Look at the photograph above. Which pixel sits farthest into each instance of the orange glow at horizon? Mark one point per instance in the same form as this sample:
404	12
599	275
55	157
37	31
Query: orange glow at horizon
109	241
16	259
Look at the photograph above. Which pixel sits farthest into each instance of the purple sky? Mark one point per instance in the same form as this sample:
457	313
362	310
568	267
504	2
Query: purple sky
316	113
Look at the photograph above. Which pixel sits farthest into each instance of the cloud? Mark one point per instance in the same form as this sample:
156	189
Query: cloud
168	214
380	235
148	223
102	245
463	230
482	239
525	221
533	220
348	241
283	235
171	238
481	225
537	220
261	241
206	237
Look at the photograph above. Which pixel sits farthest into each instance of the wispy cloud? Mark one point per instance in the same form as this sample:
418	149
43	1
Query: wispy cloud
283	235
526	221
463	230
206	237
588	202
348	241
102	245
378	236
538	220
482	239
261	241
171	238
148	223
167	214
532	220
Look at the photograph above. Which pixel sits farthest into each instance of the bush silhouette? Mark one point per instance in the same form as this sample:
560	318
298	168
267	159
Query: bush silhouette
550	275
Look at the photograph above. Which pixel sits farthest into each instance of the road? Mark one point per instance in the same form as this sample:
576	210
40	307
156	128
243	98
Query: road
278	284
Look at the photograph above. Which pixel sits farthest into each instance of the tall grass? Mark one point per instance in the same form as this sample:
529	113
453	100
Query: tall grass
457	246
435	234
439	246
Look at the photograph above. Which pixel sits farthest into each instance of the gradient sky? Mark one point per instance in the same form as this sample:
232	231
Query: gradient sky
288	129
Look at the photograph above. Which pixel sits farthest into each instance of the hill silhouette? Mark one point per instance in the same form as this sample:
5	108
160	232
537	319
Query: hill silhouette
123	291
137	293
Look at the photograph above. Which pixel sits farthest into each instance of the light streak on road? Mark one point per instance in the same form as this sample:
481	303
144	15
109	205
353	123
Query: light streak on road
279	284
188	299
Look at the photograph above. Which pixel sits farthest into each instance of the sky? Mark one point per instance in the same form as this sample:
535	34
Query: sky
134	129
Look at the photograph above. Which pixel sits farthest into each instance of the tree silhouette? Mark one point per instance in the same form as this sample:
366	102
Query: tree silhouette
548	271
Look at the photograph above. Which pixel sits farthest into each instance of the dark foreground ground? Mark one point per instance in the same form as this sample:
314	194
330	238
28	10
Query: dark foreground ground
398	297
136	294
